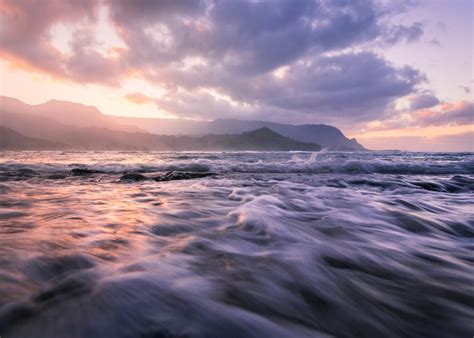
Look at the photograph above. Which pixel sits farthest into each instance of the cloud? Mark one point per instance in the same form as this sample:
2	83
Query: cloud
421	101
466	89
458	113
435	42
88	64
354	85
26	25
350	86
404	33
241	36
443	114
139	98
232	49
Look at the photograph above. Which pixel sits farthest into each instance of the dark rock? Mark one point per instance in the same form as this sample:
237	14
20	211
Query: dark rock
135	177
26	173
84	171
175	175
56	176
17	175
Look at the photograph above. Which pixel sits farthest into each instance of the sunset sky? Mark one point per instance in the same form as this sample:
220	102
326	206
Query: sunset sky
393	74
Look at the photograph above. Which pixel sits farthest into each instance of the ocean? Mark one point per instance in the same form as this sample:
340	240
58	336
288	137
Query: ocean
275	244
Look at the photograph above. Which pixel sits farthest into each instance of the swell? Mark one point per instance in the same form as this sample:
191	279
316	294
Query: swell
271	163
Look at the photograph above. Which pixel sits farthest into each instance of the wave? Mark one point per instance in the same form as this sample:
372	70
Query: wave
274	163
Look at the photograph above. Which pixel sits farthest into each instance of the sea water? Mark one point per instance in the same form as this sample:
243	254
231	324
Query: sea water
277	244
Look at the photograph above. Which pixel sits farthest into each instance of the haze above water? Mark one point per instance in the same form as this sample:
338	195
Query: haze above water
282	244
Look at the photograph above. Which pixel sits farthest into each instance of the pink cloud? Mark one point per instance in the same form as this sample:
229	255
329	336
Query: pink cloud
456	113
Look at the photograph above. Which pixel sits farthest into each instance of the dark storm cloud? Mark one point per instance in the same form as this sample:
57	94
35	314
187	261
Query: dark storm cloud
243	42
339	86
341	80
235	46
355	86
246	36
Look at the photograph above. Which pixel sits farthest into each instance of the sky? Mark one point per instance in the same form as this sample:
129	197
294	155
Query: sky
394	74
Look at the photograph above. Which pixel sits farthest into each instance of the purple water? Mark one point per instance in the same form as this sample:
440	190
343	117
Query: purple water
275	245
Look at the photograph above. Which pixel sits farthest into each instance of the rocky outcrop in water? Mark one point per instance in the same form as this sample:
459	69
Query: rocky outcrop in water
133	177
84	172
176	175
169	176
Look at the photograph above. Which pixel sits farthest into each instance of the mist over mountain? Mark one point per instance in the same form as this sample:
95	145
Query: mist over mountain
12	140
325	135
259	139
76	138
67	122
62	112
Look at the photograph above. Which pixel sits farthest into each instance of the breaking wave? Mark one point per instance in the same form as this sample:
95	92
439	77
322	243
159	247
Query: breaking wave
248	162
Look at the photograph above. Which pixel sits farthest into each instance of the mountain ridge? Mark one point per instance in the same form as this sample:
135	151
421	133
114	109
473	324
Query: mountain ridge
78	115
263	139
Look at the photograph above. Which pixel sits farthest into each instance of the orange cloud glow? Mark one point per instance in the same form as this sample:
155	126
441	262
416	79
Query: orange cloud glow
139	98
15	62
